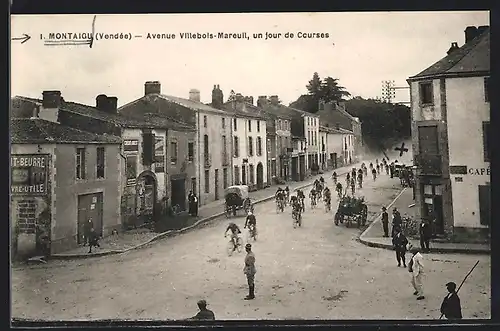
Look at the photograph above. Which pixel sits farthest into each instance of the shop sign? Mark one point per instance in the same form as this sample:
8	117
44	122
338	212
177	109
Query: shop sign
479	171
29	174
131	145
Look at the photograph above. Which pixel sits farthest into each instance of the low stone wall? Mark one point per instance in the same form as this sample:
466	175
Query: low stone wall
471	235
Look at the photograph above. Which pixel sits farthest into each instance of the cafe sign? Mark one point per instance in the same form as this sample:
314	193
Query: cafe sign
29	174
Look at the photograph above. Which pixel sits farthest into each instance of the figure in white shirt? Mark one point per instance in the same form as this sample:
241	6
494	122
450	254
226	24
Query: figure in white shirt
416	268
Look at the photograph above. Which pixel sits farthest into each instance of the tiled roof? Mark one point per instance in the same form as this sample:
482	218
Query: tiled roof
330	130
245	109
472	57
278	111
38	131
299	111
92	112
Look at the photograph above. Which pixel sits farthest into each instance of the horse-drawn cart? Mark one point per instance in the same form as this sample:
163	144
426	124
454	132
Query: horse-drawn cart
351	209
237	199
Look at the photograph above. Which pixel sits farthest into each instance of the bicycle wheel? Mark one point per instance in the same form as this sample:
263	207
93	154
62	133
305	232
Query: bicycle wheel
239	246
230	248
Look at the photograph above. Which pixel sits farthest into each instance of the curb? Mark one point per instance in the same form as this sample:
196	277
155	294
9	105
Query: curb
62	256
456	250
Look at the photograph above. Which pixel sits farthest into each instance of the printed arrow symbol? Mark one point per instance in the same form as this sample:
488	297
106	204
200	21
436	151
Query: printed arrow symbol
24	38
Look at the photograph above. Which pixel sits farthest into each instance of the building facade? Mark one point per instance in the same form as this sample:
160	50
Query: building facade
249	143
452	152
61	179
211	132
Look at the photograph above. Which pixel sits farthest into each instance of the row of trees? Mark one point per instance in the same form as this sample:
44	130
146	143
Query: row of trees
382	123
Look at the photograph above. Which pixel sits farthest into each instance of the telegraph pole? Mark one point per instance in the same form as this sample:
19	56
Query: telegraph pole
389	91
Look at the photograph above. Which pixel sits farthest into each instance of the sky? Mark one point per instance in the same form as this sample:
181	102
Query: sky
362	50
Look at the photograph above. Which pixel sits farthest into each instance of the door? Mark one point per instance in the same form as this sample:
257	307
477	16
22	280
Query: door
178	193
260	175
485	204
295	164
302	167
90	207
216	184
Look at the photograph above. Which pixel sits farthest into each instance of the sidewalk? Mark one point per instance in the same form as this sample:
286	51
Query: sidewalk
373	235
138	238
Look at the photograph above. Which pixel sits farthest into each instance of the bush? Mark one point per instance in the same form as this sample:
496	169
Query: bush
411	227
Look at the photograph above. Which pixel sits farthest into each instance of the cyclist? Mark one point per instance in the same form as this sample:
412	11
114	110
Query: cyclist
251	222
360	178
312	196
301	197
339	189
280	196
348	178
334	177
235	231
296	209
374	174
353	185
327	196
378	169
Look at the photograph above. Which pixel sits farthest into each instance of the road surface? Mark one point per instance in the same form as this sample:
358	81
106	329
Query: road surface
318	271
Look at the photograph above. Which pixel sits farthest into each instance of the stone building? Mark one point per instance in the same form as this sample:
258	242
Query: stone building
450	139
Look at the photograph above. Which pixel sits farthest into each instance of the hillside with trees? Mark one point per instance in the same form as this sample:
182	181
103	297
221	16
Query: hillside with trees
383	124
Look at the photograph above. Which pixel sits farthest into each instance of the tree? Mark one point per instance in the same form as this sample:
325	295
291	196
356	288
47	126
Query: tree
232	96
314	87
332	91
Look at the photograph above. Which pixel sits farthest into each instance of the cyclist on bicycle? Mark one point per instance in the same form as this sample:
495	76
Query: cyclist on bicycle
235	231
360	178
339	189
251	222
312	196
334	177
280	196
348	178
301	197
374	174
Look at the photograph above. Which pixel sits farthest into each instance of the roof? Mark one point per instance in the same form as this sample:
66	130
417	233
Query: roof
472	58
331	130
39	131
329	110
279	111
244	109
301	112
186	103
117	119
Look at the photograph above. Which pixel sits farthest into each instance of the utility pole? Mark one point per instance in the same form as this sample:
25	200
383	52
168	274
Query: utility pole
389	91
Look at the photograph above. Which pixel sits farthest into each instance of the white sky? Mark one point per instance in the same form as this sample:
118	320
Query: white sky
363	49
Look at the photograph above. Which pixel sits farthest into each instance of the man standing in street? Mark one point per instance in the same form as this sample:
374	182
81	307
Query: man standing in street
400	242
190	203
385	221
249	270
416	268
450	307
397	221
204	313
425	235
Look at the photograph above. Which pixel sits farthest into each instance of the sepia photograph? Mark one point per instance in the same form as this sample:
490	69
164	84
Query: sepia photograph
250	166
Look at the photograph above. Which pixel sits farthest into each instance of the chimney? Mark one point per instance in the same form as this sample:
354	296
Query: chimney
470	33
194	95
113	105
249	100
261	100
152	87
481	29
274	99
239	97
50	106
217	97
101	102
454	47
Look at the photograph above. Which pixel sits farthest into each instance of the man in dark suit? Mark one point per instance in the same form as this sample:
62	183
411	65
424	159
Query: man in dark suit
400	243
425	235
450	307
385	221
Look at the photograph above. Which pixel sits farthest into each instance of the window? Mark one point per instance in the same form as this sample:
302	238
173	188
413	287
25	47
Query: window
131	170
235	124
279	124
249	125
487	89
236	175
223	123
426	96
207	181
80	163
308	121
224	150
159	155
309	140
205	145
259	146
251	171
236	147
173	152
250	146
486	141
191	152
224	177
193	184
100	162
204	121
258	126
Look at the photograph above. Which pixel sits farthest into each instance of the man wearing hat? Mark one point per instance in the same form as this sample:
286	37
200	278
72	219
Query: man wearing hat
249	270
385	221
204	313
450	307
416	268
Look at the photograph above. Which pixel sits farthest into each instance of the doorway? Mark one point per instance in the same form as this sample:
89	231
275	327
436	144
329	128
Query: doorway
90	207
145	197
260	175
295	171
433	207
178	193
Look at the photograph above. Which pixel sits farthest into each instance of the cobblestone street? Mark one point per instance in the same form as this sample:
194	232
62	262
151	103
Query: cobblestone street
318	271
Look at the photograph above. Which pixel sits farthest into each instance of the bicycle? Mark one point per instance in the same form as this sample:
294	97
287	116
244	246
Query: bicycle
297	218
313	202
279	206
328	205
232	246
252	232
